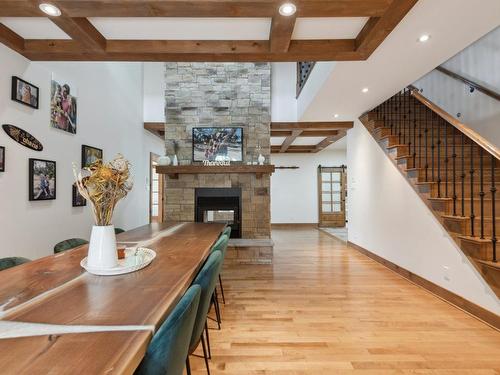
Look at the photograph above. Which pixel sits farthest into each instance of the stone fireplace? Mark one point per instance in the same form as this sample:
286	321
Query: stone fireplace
221	95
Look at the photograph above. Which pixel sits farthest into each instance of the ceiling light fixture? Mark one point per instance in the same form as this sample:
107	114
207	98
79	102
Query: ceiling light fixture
424	38
50	9
365	90
288	9
336	115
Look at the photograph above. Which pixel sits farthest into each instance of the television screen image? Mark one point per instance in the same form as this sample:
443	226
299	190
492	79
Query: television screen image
218	144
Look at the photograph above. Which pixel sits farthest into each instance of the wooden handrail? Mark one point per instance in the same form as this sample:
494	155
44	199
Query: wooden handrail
470	83
480	140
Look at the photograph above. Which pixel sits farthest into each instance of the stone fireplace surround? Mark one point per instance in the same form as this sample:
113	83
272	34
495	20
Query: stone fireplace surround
221	94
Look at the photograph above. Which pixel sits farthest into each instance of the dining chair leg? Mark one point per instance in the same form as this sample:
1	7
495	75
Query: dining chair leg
222	290
208	341
217	308
188	366
205	353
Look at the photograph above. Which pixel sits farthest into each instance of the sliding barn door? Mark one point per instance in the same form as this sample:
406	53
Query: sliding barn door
331	196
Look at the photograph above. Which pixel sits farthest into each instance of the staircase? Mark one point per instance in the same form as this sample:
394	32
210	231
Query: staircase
454	170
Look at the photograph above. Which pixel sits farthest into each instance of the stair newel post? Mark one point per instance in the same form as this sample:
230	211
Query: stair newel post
419	139
462	175
454	156
433	146
426	134
471	171
446	158
481	190
410	113
414	133
438	156
493	210
403	119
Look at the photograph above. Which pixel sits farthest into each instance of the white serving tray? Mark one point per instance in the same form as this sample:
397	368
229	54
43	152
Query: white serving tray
135	259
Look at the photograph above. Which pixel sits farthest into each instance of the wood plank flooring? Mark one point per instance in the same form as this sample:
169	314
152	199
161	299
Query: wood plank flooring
324	308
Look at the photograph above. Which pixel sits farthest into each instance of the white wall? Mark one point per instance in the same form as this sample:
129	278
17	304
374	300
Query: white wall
110	116
154	91
294	192
283	91
387	217
479	62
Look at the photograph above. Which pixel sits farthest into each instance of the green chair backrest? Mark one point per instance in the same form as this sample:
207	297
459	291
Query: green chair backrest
119	230
221	245
69	244
206	279
227	231
12	262
167	352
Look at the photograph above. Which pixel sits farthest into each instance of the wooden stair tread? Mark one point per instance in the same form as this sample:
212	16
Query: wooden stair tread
489	263
475	239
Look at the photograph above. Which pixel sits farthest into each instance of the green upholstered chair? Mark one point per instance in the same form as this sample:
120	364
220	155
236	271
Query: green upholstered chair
119	230
168	351
221	245
206	279
69	244
12	262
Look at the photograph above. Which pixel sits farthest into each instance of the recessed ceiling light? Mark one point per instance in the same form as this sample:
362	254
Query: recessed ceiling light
336	115
50	9
287	9
365	90
424	38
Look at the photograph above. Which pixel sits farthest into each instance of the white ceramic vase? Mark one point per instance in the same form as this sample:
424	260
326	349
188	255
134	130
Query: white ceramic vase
102	247
164	160
261	159
176	161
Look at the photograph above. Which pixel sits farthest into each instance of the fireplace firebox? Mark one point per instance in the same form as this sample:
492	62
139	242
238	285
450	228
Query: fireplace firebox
219	205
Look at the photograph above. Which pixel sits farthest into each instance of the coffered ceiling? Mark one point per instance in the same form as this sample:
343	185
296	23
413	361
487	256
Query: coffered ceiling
209	30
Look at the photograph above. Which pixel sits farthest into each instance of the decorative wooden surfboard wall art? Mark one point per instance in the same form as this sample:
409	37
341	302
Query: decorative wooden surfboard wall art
22	137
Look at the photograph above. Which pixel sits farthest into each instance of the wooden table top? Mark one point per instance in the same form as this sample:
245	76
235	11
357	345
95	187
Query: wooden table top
56	290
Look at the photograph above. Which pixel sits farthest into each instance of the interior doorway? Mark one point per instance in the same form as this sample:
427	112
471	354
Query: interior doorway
155	191
332	195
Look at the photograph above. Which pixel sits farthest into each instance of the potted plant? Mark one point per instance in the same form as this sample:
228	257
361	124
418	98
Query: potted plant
104	185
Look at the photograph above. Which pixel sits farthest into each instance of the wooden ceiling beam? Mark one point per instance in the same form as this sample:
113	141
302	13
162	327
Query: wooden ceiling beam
289	140
199	8
11	39
294	149
328	141
157	128
305	133
281	32
325	125
192	50
81	31
379	27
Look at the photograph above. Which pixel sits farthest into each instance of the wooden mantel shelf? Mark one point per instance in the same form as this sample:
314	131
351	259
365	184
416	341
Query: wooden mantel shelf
174	171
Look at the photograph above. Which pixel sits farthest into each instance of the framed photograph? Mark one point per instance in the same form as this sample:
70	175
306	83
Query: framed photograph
218	144
24	92
42	180
90	155
63	106
2	159
78	199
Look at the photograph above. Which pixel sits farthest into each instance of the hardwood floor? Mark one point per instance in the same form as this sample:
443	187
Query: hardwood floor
324	308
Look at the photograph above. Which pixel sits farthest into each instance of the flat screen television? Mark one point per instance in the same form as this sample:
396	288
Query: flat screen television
218	144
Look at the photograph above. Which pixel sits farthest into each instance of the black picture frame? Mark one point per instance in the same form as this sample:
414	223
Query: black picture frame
35	99
2	159
86	152
215	128
34	179
77	199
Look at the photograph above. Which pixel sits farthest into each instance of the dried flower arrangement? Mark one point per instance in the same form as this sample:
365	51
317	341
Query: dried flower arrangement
103	185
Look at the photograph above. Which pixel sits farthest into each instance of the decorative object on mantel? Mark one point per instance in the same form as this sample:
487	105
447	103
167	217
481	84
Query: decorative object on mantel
261	159
103	185
176	150
164	160
22	137
217	143
2	159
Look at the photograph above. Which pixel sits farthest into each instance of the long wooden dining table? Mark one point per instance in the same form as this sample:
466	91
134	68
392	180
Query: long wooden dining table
113	317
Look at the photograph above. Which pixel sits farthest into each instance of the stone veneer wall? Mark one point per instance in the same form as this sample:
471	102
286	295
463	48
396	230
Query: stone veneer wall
219	94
